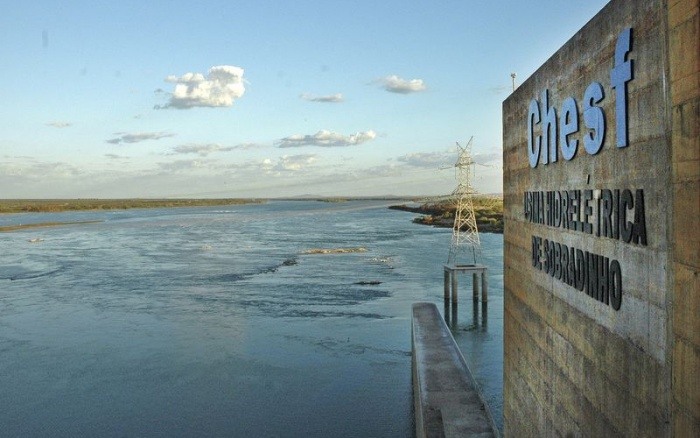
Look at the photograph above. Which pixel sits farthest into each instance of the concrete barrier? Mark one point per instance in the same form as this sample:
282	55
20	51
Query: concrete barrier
446	399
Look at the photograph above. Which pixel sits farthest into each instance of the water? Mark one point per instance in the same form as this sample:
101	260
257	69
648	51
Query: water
213	322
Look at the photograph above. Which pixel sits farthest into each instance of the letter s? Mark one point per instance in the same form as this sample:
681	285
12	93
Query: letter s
594	118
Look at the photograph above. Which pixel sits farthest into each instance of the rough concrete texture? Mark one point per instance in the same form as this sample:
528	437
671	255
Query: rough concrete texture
446	399
573	365
684	55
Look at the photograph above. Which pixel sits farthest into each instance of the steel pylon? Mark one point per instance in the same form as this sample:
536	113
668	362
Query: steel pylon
465	233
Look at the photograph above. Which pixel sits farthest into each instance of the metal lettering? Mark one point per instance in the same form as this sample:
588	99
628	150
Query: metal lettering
640	224
619	76
549	130
569	125
594	118
615	285
587	211
534	144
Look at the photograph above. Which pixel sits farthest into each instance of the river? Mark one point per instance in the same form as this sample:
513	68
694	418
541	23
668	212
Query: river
216	321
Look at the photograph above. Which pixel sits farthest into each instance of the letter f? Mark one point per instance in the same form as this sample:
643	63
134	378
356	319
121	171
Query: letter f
619	76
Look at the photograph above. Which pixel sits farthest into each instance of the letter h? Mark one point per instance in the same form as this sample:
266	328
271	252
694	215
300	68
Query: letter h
549	130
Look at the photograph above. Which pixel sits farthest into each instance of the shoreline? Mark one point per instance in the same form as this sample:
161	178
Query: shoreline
14	206
10	228
441	215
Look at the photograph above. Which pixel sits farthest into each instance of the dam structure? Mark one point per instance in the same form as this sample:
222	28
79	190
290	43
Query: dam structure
601	165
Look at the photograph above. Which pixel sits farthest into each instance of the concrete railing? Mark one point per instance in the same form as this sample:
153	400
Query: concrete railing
446	398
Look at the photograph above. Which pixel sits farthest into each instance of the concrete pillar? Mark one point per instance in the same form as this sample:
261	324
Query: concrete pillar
475	285
484	287
447	284
454	288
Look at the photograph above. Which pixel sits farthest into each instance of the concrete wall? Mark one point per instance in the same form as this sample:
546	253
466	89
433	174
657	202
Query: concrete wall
684	55
574	364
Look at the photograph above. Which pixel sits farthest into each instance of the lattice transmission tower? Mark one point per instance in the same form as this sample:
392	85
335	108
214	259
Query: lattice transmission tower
465	234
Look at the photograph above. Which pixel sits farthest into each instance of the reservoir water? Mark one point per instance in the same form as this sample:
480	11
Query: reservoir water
217	322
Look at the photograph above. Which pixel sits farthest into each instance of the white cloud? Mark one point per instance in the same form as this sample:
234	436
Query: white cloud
57	124
249	145
289	163
40	170
116	157
123	137
200	149
395	84
331	98
483	158
326	138
384	170
204	149
428	159
182	165
11	170
219	88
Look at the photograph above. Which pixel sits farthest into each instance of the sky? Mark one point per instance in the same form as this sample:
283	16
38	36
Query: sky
116	99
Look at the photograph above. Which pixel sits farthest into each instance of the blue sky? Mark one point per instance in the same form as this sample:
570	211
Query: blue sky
262	98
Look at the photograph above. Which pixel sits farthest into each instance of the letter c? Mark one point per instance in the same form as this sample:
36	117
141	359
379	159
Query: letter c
534	144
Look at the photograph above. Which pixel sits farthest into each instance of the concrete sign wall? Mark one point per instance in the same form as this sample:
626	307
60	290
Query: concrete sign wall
602	199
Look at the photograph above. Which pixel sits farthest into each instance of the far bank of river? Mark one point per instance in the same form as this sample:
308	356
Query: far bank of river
488	212
8	228
60	205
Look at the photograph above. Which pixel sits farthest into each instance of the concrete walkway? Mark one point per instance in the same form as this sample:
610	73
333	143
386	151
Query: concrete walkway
446	399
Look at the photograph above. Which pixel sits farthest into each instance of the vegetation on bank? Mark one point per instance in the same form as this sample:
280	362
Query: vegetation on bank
333	200
8	228
487	209
56	205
